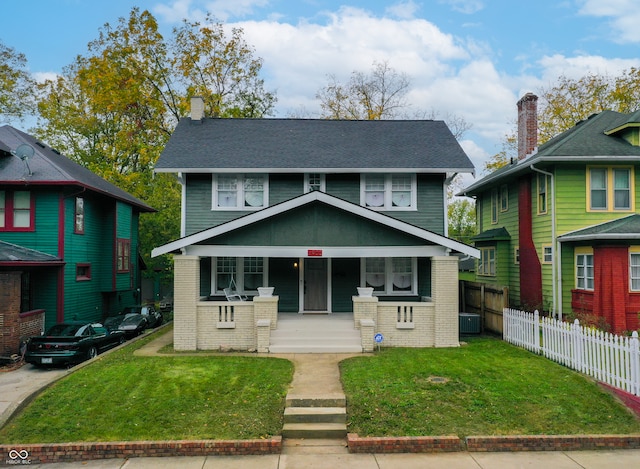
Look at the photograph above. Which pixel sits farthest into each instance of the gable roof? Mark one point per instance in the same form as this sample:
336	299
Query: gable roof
592	140
624	228
312	145
428	237
50	167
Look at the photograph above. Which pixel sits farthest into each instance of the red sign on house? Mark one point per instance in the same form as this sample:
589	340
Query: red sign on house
314	252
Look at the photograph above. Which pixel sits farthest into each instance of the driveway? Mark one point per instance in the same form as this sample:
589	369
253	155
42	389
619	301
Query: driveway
18	386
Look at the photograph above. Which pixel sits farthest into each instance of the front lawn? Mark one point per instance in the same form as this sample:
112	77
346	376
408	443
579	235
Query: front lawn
488	387
122	397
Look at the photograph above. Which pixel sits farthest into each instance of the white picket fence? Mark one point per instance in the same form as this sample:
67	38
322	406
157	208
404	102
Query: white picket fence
608	358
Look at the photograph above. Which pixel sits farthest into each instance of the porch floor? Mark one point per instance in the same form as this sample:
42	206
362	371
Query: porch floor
315	333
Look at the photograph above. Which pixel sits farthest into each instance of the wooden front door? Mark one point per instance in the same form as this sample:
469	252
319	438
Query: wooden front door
315	284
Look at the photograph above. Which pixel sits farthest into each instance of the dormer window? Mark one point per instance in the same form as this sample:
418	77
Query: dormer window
388	191
239	191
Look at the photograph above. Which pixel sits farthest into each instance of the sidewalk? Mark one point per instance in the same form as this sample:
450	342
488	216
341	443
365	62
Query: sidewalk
314	374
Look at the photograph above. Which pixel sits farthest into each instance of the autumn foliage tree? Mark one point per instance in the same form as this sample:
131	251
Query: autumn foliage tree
570	100
114	109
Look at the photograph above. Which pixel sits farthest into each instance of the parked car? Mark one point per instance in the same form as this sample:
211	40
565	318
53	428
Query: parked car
166	304
71	342
153	317
133	325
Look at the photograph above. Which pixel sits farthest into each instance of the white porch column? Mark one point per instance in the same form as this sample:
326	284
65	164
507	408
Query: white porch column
444	291
186	294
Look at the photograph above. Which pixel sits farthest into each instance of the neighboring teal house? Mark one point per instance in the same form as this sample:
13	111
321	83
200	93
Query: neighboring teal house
69	240
315	209
560	226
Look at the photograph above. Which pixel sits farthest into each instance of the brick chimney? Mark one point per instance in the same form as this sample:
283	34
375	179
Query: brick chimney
197	108
527	125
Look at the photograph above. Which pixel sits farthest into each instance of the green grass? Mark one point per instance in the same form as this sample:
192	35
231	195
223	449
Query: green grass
492	388
124	397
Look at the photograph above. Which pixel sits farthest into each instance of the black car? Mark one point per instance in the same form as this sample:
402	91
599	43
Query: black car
71	342
133	325
153	317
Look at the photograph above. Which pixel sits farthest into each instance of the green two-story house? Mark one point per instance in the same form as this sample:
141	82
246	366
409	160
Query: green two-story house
560	225
313	208
69	239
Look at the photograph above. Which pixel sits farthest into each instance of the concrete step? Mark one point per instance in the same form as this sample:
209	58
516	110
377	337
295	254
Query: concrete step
313	348
315	415
314	430
314	446
332	400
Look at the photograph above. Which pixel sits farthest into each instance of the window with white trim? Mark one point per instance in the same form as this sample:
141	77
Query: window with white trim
487	261
388	191
240	191
634	271
314	182
584	271
390	275
547	254
247	273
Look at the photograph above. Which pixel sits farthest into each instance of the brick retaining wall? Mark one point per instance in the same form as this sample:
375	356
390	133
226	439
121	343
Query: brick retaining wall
67	452
490	443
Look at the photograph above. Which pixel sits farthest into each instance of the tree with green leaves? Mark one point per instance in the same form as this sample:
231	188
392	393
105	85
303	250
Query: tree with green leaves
114	109
16	85
462	220
570	100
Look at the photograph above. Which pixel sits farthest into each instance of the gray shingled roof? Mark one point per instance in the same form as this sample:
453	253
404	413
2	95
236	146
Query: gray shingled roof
586	142
12	253
50	167
621	229
496	234
288	145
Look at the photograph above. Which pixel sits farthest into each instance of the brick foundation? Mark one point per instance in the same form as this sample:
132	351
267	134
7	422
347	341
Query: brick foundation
67	452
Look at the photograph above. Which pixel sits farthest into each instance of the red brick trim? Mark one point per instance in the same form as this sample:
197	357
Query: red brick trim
67	452
551	442
437	444
405	444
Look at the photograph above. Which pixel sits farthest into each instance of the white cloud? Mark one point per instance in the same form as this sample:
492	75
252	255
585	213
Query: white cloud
465	6
404	10
576	67
624	14
41	77
222	10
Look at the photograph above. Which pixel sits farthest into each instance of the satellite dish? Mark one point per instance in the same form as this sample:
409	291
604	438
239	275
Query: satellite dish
24	151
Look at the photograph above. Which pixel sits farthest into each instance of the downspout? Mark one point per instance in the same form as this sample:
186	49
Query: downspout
445	193
183	205
555	264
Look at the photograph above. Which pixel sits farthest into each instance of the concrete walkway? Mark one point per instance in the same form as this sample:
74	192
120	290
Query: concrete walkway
315	374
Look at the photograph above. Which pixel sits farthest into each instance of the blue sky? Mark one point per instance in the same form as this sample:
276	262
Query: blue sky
469	58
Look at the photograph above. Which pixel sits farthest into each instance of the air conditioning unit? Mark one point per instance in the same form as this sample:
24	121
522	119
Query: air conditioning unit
469	323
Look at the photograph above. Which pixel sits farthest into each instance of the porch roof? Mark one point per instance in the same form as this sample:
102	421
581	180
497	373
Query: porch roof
428	243
625	228
12	255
